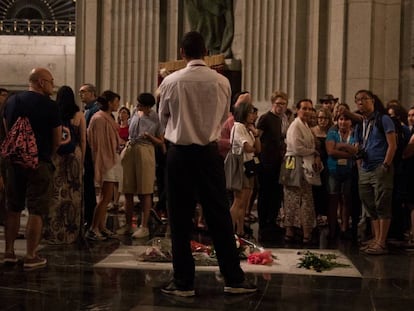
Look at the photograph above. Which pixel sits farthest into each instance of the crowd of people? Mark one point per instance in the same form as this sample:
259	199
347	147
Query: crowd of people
306	166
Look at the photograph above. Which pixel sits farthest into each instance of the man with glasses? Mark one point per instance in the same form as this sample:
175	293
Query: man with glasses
87	94
32	187
271	127
377	145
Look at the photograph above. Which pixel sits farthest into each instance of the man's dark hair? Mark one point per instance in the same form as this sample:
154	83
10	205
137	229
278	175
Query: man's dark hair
3	90
146	99
193	45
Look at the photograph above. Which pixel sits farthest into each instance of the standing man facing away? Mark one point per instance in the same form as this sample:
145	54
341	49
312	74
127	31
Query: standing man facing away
32	187
194	102
87	94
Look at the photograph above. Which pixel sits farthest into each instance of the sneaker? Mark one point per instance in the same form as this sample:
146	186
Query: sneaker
142	232
10	258
93	236
108	234
240	288
35	262
124	230
173	289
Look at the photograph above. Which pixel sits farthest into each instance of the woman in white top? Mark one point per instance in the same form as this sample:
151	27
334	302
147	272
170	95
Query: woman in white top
244	138
298	201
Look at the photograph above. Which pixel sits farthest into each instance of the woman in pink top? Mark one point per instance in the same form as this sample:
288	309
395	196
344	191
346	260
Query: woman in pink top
104	140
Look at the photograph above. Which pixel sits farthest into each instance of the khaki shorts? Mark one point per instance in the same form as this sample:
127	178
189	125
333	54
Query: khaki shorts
138	165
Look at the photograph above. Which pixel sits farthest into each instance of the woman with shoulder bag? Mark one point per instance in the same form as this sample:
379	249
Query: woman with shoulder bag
244	140
298	200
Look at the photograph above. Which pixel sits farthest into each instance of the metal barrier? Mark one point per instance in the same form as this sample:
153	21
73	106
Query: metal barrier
37	27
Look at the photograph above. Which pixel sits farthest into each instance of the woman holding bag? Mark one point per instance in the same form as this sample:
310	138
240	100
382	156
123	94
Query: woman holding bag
244	139
298	200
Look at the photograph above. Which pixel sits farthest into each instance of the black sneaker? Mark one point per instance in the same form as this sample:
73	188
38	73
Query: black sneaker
173	289
240	288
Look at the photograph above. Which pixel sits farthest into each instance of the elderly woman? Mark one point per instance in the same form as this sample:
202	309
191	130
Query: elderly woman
298	201
244	139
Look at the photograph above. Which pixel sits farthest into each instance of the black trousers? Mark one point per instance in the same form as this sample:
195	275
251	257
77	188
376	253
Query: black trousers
270	195
199	170
89	196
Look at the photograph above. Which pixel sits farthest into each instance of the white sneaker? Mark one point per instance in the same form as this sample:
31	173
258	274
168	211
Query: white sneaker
124	230
142	232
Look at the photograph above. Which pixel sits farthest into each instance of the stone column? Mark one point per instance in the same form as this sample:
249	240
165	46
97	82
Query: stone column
373	48
118	45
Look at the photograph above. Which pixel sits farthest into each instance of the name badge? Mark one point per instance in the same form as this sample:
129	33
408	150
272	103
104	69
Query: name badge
342	161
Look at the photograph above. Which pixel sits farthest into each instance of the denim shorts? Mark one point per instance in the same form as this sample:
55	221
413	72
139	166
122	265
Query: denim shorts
340	183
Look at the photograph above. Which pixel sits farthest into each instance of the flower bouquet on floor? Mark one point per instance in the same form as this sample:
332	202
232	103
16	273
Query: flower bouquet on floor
254	253
158	250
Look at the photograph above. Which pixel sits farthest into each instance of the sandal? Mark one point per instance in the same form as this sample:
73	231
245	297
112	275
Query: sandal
376	249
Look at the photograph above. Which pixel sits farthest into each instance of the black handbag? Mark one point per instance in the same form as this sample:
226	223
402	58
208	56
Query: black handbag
250	167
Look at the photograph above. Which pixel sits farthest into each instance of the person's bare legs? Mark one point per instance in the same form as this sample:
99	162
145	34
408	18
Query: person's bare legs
12	226
146	204
107	193
384	226
33	234
128	205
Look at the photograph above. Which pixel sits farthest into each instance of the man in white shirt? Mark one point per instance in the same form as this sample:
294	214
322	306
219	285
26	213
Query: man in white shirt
194	102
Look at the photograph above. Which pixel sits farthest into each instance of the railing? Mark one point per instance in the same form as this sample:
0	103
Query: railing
37	27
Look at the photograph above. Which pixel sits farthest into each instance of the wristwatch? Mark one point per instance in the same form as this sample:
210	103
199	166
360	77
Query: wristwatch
385	165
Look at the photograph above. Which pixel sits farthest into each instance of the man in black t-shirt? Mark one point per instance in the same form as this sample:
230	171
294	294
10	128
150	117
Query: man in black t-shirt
27	187
270	191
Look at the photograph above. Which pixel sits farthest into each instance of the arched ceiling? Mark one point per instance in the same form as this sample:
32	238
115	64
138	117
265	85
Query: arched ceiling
38	9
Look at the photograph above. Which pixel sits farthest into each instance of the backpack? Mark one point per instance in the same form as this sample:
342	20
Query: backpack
402	140
20	146
70	146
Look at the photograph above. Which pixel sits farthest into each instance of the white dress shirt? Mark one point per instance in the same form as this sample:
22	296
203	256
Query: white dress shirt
194	103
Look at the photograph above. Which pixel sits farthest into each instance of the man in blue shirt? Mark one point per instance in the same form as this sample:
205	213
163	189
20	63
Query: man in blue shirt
377	140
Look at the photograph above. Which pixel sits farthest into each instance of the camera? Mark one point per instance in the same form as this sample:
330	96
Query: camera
361	154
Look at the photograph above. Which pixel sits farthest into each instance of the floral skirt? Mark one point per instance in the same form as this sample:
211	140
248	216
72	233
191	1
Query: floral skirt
62	225
298	206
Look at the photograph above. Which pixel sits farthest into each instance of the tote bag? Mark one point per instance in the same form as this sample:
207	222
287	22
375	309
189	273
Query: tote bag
234	169
291	171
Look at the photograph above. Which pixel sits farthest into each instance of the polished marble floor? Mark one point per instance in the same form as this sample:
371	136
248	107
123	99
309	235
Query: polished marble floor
70	282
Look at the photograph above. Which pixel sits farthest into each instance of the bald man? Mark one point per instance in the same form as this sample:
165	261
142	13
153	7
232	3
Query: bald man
32	188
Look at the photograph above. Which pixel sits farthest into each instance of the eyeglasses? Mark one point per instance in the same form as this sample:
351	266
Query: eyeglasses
84	91
361	99
281	103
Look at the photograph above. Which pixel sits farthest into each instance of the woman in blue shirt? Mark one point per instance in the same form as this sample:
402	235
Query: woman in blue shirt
340	148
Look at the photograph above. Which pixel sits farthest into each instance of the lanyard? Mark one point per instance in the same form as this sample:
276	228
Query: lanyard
348	139
367	126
